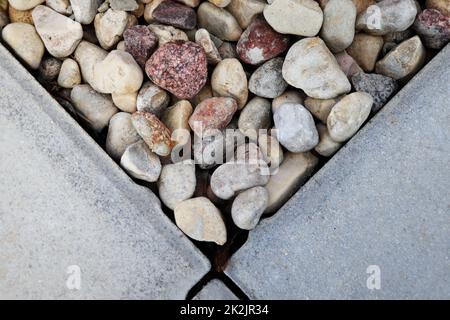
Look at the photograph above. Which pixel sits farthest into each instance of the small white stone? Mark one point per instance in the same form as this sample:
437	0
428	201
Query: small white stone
248	207
203	38
60	34
201	220
246	10
167	33
109	27
338	27
310	66
140	162
85	10
24	4
125	5
118	73
153	99
299	17
25	42
95	108
121	134
125	102
177	183
295	126
327	146
88	55
348	115
60	6
70	75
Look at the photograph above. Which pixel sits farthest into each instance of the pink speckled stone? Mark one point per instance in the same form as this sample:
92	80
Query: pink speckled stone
259	43
433	28
180	67
140	42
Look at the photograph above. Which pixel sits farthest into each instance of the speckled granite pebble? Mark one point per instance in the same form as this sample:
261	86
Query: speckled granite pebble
140	42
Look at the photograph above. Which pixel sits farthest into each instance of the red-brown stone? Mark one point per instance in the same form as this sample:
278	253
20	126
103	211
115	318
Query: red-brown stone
180	67
175	14
259	43
140	42
211	114
433	28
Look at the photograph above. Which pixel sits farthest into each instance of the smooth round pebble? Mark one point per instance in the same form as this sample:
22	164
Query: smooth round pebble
255	116
433	28
88	55
25	4
175	14
177	183
267	81
271	150
176	118
229	80
327	146
218	21
140	162
167	34
365	49
320	108
125	102
348	115
153	99
249	206
121	134
85	10
140	42
109	27
245	11
69	75
292	96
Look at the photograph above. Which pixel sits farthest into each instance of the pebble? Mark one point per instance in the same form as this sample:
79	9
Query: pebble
25	42
227	50
88	55
259	43
235	176
4	20
271	150
348	115
203	38
24	4
69	75
140	162
229	80
140	42
255	116
267	81
433	28
153	99
176	118
249	153
442	6
299	17
338	28
60	34
302	62
118	73
180	67
293	172
121	134
85	10
380	87
175	14
365	49
60	6
398	36
218	21
347	64
153	132
249	206
124	5
220	3
20	16
109	27
404	60
167	34
126	102
212	114
190	3
289	96
245	11
320	108
201	220
362	5
95	108
387	16
49	69
177	183
295	126
203	94
327	146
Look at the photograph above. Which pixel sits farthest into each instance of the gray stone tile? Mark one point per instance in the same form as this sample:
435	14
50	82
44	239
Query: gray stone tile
215	290
64	202
382	200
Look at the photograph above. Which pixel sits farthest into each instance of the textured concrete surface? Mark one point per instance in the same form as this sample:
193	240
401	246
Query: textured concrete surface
65	203
215	290
382	200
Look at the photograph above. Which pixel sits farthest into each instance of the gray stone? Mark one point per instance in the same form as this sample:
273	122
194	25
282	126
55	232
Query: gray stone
256	115
380	87
93	107
88	55
69	75
248	206
140	162
49	68
379	201
85	10
121	134
153	99
66	203
295	126
125	5
215	290
267	81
